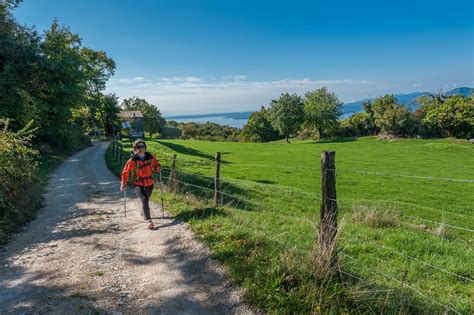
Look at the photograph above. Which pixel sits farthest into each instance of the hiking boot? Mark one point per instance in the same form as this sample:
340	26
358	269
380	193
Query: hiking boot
151	226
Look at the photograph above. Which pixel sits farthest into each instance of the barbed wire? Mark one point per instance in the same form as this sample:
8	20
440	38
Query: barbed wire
438	223
316	196
406	176
365	172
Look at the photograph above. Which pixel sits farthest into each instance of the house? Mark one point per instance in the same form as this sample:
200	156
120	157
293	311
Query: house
132	121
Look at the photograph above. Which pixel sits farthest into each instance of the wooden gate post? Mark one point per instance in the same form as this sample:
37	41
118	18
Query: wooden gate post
172	179
217	179
328	215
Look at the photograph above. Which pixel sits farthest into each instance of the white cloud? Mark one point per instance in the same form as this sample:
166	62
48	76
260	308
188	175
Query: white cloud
138	79
189	94
189	79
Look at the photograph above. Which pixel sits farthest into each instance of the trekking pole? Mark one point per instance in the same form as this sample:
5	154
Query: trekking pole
162	203
125	200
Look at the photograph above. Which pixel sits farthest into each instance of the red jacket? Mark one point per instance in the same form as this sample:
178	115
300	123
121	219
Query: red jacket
143	175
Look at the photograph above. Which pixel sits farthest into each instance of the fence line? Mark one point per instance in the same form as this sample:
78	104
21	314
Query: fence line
365	172
339	200
312	195
318	196
188	173
439	223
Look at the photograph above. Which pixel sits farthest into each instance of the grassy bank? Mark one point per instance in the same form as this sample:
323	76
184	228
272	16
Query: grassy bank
394	257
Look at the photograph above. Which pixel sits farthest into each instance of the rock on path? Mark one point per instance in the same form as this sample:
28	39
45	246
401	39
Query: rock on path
80	255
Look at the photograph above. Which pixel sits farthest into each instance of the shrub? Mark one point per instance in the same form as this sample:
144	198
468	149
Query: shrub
20	194
308	134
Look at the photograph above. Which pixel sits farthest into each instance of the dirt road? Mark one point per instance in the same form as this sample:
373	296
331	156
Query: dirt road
82	255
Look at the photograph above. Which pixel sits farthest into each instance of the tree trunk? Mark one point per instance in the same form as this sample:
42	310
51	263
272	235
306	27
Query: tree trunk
287	138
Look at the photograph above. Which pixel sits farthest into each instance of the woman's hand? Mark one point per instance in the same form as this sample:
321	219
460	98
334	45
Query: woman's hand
122	187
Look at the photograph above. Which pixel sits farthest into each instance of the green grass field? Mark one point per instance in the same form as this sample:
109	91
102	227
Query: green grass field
391	196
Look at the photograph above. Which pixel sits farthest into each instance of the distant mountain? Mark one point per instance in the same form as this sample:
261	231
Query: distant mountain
405	99
462	90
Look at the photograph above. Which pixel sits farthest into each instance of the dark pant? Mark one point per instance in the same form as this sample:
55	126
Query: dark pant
144	193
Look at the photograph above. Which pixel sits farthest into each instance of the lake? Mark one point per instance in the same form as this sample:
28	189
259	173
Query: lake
237	123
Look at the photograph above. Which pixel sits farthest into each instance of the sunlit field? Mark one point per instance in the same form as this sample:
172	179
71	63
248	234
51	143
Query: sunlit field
406	224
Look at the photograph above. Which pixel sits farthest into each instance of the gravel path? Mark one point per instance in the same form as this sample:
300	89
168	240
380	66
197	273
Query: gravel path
80	255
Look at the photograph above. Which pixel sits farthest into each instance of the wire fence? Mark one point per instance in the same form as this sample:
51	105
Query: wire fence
349	202
231	193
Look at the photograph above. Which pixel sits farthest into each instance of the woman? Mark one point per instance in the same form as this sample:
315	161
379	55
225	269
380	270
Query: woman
142	165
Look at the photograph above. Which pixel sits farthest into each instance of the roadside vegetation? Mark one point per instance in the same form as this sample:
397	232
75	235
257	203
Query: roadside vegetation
392	228
51	95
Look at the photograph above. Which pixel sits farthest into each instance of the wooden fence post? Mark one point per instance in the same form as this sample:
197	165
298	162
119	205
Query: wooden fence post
217	179
328	216
172	179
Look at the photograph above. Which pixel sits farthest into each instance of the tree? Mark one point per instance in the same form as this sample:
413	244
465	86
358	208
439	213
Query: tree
47	78
97	69
361	122
287	114
453	118
370	118
153	122
391	117
258	128
20	70
107	113
322	110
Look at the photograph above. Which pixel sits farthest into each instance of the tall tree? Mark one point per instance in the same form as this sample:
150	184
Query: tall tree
97	69
21	66
287	114
322	110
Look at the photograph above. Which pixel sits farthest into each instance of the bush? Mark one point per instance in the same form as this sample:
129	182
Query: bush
259	128
171	132
207	131
453	118
20	193
308	134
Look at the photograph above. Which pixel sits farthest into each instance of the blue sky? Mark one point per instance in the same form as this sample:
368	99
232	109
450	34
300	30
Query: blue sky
217	56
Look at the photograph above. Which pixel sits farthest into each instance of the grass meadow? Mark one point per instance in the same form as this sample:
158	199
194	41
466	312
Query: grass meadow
405	215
